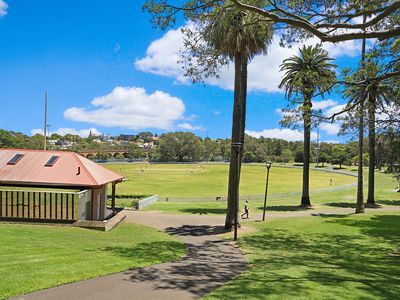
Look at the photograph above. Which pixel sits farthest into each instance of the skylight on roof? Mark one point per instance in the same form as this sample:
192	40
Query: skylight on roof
15	159
52	161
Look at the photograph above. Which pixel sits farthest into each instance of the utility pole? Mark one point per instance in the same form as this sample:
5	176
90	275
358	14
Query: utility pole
45	121
317	154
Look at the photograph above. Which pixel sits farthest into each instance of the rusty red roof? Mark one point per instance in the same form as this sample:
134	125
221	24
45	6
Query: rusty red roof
70	169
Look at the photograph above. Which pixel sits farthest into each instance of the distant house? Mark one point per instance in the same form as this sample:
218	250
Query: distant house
54	186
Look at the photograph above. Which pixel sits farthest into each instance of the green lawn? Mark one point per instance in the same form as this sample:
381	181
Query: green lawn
35	257
211	180
384	186
330	257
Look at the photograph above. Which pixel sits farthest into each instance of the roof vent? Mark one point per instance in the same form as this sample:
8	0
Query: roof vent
15	159
52	161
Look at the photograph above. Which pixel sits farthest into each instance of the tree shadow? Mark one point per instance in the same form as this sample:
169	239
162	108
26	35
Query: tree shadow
327	215
203	211
147	252
289	264
389	202
380	226
285	208
192	230
341	204
206	266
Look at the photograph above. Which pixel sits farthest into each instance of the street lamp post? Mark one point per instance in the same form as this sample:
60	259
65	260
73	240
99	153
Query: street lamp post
268	164
237	148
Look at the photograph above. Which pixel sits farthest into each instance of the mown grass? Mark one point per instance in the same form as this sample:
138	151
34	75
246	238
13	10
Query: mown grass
211	180
384	187
324	257
35	257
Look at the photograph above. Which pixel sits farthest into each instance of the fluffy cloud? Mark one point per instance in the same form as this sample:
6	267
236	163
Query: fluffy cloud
131	107
188	126
3	8
162	56
281	133
330	128
323	104
64	131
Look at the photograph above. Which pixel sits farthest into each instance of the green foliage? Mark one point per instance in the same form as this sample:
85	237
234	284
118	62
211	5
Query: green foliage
180	146
308	73
299	156
133	151
340	155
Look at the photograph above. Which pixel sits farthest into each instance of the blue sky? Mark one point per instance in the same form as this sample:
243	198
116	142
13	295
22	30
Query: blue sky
106	69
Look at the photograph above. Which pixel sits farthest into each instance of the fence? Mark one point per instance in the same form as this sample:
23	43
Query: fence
147	201
39	205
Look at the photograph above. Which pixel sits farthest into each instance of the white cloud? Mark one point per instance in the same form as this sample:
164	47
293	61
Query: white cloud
332	142
330	128
323	104
131	107
216	112
334	109
3	8
163	54
188	126
64	131
281	133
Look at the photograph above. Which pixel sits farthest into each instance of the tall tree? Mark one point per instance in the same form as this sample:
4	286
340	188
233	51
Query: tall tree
223	35
306	74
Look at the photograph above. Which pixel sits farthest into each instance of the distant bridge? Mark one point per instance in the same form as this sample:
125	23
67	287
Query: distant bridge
112	153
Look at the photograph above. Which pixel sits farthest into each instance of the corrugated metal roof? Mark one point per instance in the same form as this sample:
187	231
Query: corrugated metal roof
71	169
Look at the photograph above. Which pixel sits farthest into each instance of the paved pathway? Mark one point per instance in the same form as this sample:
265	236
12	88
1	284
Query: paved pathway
209	263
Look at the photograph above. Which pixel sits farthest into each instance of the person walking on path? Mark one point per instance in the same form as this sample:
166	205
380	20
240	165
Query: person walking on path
246	209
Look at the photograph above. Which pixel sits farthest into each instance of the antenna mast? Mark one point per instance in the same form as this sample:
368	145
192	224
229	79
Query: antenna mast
45	121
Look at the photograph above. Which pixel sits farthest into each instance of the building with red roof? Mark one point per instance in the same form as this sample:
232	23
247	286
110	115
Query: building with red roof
54	186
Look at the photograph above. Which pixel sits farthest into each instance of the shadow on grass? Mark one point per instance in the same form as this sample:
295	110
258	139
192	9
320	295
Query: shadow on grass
389	202
149	252
203	211
285	208
341	204
194	230
287	264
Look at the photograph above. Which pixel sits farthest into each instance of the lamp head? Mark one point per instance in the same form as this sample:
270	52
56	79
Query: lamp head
268	164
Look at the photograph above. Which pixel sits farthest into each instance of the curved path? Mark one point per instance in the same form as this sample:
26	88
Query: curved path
209	263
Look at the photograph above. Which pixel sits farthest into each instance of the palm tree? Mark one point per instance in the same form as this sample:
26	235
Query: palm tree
305	75
377	94
238	36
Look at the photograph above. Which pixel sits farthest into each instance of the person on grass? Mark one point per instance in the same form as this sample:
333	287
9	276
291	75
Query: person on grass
246	209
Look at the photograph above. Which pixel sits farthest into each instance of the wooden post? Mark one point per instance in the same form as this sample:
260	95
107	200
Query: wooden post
113	198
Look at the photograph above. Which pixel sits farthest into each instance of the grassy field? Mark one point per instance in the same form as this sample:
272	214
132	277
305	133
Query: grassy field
328	257
35	257
211	180
385	195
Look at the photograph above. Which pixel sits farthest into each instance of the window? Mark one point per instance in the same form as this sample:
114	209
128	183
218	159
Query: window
52	161
15	159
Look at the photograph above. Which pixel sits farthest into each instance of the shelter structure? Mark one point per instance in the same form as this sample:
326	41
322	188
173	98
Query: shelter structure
54	186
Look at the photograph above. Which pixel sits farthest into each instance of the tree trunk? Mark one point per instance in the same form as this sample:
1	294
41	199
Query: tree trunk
371	144
305	198
360	182
233	188
379	156
360	192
